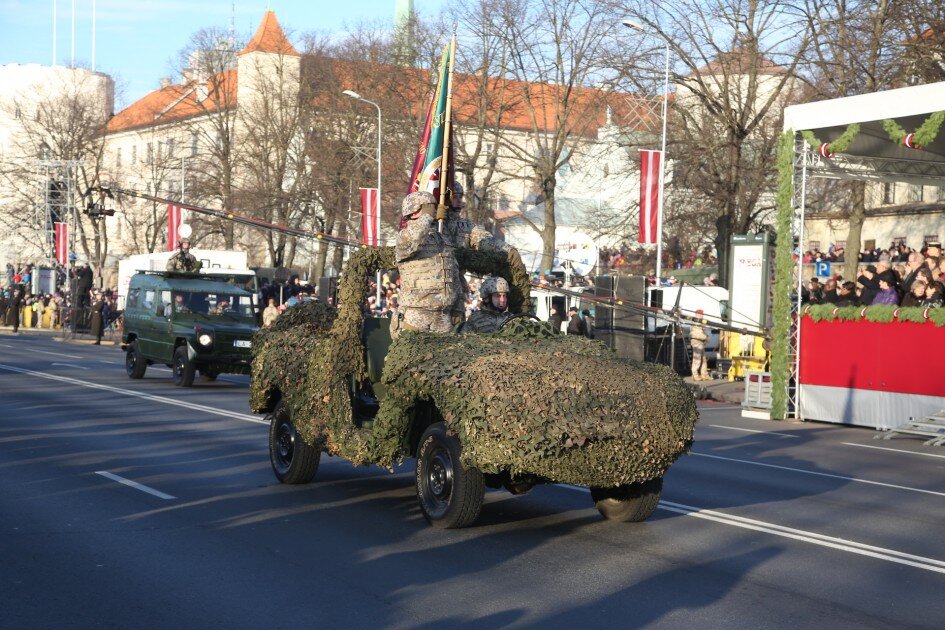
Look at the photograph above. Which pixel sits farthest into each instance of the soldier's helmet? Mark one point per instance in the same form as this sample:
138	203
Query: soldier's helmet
414	201
181	242
492	284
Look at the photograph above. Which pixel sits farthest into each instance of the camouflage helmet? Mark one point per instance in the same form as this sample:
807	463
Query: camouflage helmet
492	284
414	201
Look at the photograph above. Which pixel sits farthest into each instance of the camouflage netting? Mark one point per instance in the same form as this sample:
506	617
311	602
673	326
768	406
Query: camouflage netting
525	400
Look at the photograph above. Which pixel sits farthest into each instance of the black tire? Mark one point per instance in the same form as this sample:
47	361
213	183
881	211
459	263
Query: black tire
183	368
450	497
293	461
135	364
628	504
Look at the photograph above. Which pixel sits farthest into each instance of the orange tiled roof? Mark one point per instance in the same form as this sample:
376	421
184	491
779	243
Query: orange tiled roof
740	61
270	38
176	102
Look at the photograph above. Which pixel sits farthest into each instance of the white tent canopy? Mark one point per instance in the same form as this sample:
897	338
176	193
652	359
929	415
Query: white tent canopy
872	155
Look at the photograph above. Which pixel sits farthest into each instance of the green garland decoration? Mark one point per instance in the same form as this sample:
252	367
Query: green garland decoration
839	145
880	313
924	135
783	279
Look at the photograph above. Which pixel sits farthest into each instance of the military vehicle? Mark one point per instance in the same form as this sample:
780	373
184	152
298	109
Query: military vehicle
515	408
189	322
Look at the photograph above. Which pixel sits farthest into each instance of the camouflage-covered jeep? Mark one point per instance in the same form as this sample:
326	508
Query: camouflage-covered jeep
511	409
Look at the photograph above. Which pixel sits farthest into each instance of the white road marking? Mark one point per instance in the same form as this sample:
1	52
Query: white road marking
110	362
894	450
6	345
135	485
722	426
127	392
850	546
820	474
717	407
71	365
57	354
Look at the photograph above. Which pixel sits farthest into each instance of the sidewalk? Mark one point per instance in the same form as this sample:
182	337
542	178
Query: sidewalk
717	389
56	334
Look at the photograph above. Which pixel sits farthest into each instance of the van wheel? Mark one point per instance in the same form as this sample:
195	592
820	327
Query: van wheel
184	369
449	496
293	461
135	364
629	504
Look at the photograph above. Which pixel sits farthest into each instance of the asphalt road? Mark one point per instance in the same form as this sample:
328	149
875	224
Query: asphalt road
764	525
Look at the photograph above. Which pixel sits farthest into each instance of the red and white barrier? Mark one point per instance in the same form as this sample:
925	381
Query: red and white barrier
870	374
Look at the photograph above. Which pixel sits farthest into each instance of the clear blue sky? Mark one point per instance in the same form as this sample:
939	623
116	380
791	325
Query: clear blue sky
138	40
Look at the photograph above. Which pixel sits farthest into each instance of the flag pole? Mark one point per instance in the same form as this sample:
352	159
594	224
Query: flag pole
447	135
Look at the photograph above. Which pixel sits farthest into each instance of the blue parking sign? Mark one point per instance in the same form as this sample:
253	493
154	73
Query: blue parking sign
822	269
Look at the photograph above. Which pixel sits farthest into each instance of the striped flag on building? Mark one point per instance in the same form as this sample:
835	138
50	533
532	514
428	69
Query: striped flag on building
61	231
649	195
369	216
173	223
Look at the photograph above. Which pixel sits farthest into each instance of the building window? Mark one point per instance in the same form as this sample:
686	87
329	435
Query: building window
150	154
170	148
930	238
118	157
193	145
841	244
940	193
899	240
915	192
814	246
889	193
134	154
869	244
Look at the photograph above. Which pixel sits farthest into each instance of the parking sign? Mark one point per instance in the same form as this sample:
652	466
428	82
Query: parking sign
822	269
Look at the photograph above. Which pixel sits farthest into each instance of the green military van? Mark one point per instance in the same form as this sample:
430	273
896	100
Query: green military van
189	322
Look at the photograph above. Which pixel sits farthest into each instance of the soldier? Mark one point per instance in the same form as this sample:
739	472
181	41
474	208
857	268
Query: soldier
97	321
183	260
698	337
429	274
465	234
493	306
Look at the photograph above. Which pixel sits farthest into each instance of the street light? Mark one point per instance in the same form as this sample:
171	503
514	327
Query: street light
377	224
659	217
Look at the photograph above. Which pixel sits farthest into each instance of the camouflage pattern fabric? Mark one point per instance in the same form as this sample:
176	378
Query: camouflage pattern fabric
429	275
184	261
485	320
568	410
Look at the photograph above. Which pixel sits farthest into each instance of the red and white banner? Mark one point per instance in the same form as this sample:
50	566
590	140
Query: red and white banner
649	195
853	372
173	223
369	209
62	242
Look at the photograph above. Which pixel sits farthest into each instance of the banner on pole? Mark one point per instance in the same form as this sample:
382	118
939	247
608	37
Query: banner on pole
62	242
649	195
173	223
369	210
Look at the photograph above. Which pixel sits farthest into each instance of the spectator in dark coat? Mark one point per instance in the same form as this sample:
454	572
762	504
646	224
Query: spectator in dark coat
846	296
588	323
576	325
886	294
916	295
555	319
830	292
870	285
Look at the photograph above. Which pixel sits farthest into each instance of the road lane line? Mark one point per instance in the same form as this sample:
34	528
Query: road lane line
57	354
819	474
110	362
135	485
72	365
849	546
704	407
894	450
722	426
127	392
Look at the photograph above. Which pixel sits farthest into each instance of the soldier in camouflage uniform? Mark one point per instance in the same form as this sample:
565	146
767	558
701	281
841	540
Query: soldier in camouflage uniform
464	233
183	260
493	306
429	275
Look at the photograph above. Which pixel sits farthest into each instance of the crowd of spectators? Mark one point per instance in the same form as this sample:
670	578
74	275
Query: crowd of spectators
899	276
638	260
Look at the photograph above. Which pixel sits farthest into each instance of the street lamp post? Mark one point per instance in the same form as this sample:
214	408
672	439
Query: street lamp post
377	218
659	216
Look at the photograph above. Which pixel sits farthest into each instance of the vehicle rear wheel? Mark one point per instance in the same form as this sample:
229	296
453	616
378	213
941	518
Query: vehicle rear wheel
629	504
184	369
293	461
450	497
135	364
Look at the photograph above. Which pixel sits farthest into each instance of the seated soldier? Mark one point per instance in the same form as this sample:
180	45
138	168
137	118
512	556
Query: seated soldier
179	306
493	306
220	307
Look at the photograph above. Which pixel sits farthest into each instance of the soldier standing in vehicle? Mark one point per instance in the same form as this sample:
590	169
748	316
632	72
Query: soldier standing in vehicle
493	306
429	274
183	260
698	337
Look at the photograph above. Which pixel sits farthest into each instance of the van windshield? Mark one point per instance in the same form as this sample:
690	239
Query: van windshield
206	303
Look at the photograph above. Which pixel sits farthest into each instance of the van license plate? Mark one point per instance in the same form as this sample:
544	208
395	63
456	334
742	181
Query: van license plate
242	343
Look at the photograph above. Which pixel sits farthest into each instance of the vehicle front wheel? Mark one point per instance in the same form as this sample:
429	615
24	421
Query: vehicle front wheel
293	461
184	369
450	497
135	364
629	504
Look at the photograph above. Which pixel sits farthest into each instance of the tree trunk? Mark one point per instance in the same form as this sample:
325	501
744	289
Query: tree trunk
549	226
854	230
